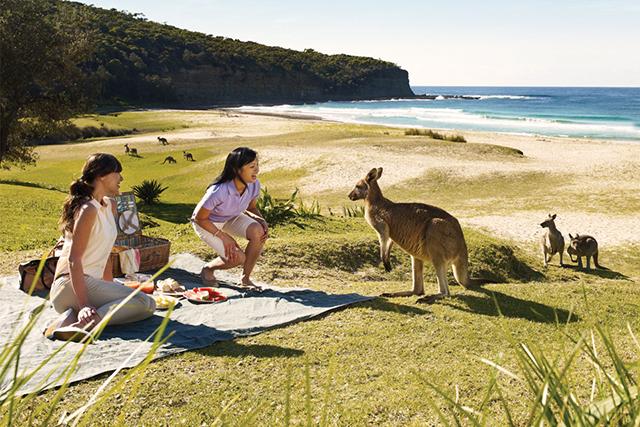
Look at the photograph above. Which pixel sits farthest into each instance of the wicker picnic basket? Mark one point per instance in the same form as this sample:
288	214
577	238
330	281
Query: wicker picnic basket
154	251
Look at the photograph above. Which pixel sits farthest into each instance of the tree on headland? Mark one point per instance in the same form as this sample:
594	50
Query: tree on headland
42	48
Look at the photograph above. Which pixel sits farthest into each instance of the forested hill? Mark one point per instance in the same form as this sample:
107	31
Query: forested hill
138	61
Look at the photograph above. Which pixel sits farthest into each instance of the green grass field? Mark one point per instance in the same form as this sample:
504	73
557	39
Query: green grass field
364	364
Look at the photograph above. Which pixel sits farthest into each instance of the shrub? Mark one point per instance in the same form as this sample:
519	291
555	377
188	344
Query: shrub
283	211
434	135
353	212
149	191
311	212
278	211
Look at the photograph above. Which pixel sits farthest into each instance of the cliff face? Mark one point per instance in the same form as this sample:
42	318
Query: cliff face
138	61
210	85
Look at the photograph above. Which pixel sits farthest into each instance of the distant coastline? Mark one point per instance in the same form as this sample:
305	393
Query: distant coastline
597	113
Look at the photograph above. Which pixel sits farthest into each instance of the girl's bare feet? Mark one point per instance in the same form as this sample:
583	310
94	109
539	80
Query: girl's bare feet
207	277
65	319
248	284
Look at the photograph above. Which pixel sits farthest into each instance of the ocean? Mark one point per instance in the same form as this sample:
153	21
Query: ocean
607	113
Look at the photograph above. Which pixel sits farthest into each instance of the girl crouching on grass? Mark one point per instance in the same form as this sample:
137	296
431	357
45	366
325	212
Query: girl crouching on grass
83	289
229	208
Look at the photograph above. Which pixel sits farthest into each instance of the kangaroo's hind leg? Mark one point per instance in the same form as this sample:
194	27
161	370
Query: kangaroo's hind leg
418	281
443	285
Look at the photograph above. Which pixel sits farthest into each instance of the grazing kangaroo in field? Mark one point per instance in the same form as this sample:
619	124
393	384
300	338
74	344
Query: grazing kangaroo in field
169	159
163	141
425	232
188	156
583	246
552	241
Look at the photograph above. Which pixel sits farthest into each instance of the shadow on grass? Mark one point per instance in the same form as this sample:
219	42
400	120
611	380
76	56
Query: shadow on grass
177	213
236	349
511	307
603	273
385	305
32	185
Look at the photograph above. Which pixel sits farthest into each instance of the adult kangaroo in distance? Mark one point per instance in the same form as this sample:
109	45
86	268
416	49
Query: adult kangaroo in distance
425	232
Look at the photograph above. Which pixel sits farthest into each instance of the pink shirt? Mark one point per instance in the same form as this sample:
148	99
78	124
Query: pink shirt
225	202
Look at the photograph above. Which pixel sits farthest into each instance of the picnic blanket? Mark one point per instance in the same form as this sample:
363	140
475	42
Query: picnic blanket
193	326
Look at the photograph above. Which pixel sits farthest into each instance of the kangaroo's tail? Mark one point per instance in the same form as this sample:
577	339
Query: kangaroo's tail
595	261
461	273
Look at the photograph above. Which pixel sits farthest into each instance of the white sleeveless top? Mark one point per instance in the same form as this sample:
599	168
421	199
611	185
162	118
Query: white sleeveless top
103	236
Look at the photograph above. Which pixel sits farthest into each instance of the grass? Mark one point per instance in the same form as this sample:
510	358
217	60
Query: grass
435	135
364	364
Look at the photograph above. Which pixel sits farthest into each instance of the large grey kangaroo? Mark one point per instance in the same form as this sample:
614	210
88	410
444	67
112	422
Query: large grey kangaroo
425	232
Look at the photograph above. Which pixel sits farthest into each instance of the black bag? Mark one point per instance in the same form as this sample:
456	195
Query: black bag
29	269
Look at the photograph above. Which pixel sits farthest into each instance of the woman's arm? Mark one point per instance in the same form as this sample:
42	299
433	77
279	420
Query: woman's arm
108	268
81	233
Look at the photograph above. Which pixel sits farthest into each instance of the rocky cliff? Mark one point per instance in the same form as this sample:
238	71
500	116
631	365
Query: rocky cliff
138	61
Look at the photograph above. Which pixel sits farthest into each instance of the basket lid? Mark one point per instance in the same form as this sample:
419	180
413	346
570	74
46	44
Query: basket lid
127	218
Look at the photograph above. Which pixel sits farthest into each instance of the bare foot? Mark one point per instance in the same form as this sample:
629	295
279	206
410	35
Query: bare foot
208	278
248	284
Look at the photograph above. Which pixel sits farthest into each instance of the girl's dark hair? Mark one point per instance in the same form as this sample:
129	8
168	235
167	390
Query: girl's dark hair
81	190
235	161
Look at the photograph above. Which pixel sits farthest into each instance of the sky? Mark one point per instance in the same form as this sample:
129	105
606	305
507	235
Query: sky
440	43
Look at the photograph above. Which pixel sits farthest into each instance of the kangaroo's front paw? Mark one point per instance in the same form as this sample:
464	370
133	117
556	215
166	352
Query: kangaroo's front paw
387	266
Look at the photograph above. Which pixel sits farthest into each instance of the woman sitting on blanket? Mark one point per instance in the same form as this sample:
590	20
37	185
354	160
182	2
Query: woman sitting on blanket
228	209
83	289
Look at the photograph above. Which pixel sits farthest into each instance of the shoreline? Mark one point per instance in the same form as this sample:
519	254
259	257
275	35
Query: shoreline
302	116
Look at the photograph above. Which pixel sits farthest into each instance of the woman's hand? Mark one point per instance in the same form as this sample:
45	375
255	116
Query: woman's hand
231	247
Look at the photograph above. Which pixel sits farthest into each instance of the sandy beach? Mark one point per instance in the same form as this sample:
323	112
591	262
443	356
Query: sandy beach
590	166
593	185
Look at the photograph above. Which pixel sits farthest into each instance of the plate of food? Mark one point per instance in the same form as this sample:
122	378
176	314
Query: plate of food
163	302
170	287
146	287
204	296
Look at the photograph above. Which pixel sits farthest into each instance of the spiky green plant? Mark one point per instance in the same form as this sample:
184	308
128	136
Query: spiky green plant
353	211
149	191
614	398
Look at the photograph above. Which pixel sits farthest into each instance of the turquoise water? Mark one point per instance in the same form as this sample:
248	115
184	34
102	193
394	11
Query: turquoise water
612	113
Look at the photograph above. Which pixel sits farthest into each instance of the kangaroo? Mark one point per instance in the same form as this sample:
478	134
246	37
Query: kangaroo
552	241
126	149
583	246
188	156
133	152
169	159
163	141
425	232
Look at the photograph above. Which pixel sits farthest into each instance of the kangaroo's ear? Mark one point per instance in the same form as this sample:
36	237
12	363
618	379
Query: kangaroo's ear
379	173
570	236
372	175
553	216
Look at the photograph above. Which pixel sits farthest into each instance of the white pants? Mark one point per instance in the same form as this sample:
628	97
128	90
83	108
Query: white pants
104	296
235	226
